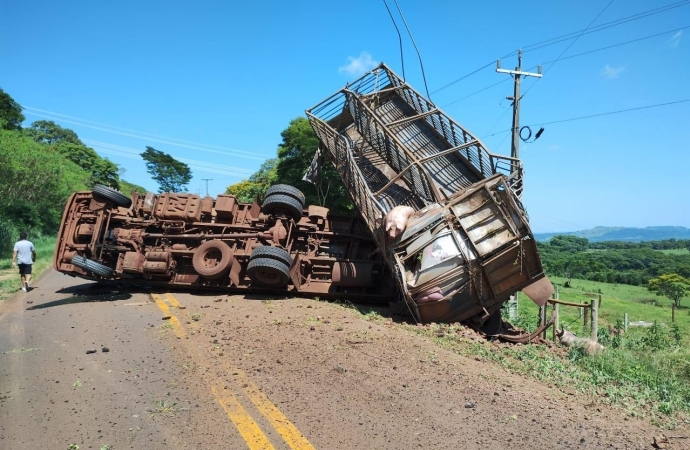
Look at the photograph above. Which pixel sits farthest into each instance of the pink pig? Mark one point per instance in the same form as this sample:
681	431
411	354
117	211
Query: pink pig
396	220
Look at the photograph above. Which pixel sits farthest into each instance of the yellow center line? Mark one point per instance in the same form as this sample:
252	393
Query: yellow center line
173	301
292	436
248	428
176	325
289	432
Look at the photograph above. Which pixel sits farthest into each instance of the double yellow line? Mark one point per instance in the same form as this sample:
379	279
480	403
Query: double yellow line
246	425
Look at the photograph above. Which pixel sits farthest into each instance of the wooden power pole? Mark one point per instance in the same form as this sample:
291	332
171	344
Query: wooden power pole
515	148
516	74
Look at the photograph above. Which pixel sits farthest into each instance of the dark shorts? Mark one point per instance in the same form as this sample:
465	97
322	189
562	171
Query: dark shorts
24	269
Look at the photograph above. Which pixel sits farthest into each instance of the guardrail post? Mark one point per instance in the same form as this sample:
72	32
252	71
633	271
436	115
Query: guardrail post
595	319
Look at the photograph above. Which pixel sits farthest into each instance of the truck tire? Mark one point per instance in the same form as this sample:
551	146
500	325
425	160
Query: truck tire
279	202
268	272
92	266
212	259
112	195
286	189
276	253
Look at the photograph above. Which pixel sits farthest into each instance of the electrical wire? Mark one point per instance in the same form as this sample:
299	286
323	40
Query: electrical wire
402	60
595	115
139	135
597	28
568	47
415	47
574	35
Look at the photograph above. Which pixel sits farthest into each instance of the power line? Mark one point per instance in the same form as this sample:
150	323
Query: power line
601	27
139	135
574	35
567	57
570	45
415	47
595	115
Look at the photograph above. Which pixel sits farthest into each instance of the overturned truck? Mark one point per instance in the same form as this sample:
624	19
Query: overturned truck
185	241
441	224
445	211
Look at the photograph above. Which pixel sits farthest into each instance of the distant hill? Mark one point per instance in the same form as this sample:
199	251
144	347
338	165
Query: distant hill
624	234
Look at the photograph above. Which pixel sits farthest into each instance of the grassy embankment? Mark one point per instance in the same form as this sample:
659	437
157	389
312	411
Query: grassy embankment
9	276
646	371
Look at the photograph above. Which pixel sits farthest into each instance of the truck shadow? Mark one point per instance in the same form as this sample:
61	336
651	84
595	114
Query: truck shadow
104	292
85	293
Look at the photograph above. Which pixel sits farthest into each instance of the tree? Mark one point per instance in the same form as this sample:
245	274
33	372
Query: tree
11	116
295	154
257	184
170	174
48	132
672	286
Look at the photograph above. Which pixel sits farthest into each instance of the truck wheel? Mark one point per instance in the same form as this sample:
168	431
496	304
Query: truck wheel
276	253
212	259
268	272
92	266
286	189
277	203
112	195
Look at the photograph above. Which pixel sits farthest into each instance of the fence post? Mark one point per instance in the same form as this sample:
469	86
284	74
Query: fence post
673	312
542	318
556	322
625	322
585	322
579	311
595	320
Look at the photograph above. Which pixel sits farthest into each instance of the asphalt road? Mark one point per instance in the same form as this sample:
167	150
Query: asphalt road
112	369
140	389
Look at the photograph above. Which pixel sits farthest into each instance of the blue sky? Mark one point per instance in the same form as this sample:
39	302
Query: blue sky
213	83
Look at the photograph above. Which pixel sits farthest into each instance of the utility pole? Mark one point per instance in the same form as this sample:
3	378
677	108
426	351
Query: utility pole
516	74
515	148
207	180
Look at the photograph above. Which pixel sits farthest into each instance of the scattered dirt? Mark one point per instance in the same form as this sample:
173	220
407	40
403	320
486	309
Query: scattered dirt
342	380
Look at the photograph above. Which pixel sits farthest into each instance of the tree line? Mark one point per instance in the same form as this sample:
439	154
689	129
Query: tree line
42	164
614	262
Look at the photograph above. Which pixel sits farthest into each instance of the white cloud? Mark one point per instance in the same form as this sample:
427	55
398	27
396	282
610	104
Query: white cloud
675	40
612	72
359	65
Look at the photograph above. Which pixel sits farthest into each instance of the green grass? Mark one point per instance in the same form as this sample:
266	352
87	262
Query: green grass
9	276
617	300
676	251
645	372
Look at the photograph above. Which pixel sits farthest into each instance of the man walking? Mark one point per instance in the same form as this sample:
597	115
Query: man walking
24	256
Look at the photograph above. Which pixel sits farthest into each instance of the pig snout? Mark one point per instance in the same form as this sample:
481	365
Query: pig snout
396	220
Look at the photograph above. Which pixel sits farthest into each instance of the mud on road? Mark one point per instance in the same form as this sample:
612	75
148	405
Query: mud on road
214	371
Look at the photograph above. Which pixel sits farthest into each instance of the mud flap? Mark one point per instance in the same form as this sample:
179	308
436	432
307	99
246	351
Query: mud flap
540	291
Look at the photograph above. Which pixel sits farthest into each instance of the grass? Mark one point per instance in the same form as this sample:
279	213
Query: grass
9	276
676	251
645	372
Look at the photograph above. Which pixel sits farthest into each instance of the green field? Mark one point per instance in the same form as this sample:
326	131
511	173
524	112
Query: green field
676	251
616	300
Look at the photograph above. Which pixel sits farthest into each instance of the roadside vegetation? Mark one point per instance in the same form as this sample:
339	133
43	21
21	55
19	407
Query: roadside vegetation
645	371
9	276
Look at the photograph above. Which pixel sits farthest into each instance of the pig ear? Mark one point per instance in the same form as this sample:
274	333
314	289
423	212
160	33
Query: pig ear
389	225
